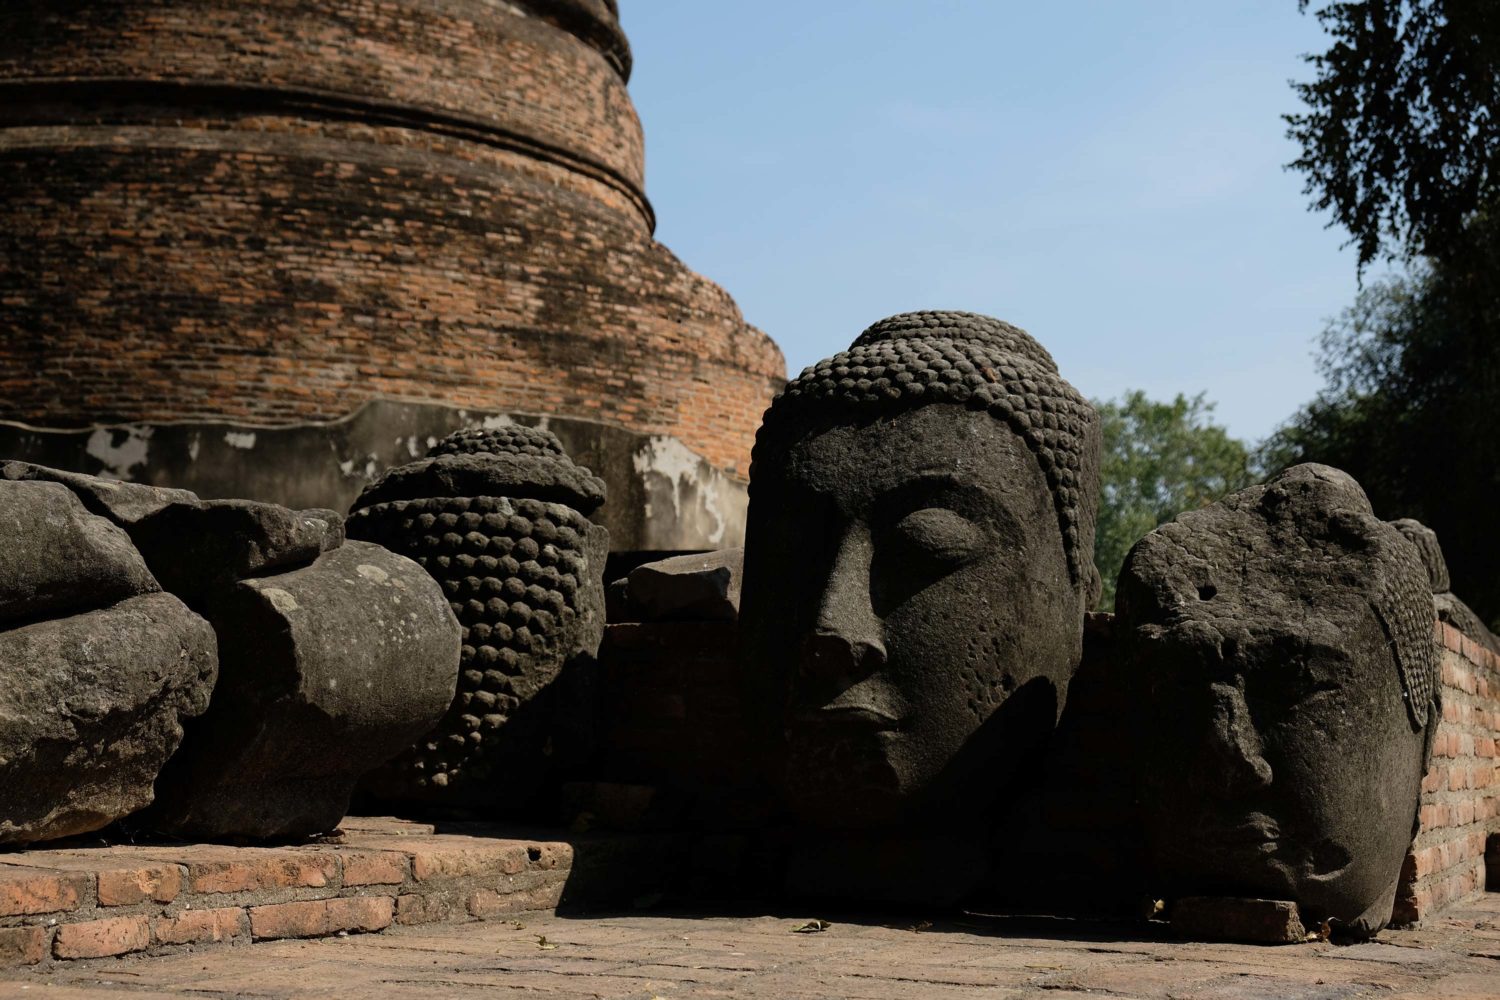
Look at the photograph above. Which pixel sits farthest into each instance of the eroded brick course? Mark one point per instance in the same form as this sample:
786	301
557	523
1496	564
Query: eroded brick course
461	222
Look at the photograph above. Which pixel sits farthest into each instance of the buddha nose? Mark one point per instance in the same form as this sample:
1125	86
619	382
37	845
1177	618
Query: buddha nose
1236	763
847	638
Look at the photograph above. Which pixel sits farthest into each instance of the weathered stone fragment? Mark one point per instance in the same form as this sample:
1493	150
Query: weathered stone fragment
918	562
1280	646
522	567
197	546
1450	608
91	707
123	503
327	671
57	558
698	587
1227	918
192	545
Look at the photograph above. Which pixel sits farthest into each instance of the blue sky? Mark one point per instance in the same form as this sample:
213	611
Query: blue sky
1105	173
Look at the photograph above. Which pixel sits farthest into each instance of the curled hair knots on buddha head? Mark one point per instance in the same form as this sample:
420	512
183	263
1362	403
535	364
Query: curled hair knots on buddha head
963	359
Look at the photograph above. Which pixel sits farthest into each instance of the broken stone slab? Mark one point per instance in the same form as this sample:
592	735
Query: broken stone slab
56	558
327	671
1247	921
91	707
192	545
696	587
123	503
196	547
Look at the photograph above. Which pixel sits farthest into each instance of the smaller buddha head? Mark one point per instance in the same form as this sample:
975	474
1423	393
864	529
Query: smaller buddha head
918	563
1280	644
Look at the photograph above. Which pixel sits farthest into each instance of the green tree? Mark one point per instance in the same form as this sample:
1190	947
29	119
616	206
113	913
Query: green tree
1159	460
1410	407
1400	142
1399	137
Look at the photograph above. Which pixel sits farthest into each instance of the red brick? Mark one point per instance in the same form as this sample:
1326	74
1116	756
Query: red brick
129	886
320	917
22	946
281	871
502	858
374	868
486	903
415	908
26	891
103	938
200	926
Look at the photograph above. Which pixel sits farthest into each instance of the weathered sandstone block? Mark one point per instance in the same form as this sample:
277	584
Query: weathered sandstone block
91	707
326	671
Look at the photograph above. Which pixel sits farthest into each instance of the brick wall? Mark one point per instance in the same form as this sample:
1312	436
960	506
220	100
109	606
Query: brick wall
1460	807
268	211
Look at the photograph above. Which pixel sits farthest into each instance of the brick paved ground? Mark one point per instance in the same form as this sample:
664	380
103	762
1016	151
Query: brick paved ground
647	956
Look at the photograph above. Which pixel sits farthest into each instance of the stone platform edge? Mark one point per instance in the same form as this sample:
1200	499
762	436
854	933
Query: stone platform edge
98	902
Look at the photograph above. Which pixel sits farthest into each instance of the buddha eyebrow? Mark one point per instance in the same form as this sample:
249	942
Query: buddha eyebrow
923	485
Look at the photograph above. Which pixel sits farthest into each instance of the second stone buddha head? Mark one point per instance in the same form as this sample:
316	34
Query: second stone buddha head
1280	644
918	562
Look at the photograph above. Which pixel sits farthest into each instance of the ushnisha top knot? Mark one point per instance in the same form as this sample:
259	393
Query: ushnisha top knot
964	359
507	439
505	461
994	334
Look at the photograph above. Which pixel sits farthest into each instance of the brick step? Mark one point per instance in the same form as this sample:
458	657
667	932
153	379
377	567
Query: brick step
92	902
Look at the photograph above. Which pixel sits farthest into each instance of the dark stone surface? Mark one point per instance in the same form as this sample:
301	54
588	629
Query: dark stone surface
703	587
126	504
191	545
1450	608
327	671
524	577
1078	823
196	548
538	477
91	707
57	558
1252	921
917	566
1279	644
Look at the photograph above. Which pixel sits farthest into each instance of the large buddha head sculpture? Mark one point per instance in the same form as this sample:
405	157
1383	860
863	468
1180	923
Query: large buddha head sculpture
918	562
1280	642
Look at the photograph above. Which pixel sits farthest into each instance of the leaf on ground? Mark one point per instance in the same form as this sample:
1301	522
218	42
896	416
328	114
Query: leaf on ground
812	927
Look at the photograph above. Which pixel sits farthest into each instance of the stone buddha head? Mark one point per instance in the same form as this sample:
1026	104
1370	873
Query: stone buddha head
1280	642
499	516
918	562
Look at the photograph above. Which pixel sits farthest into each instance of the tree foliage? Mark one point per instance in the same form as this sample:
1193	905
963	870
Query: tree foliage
1159	459
1411	405
1399	137
1400	140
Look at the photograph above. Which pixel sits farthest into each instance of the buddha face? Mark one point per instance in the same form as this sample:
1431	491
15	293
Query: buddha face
907	599
1279	758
